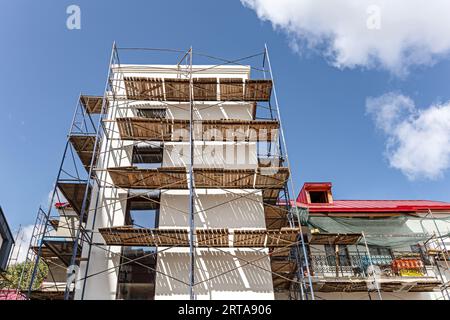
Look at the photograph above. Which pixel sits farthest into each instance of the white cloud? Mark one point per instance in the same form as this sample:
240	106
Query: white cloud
410	33
418	140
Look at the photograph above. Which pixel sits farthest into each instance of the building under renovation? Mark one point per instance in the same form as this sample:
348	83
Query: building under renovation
175	184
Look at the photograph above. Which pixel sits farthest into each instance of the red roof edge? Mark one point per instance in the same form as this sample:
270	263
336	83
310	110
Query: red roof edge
365	206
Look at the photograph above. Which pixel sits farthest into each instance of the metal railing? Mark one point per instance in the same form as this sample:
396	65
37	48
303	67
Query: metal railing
356	265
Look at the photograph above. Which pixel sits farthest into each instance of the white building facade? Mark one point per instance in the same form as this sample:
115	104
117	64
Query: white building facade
141	203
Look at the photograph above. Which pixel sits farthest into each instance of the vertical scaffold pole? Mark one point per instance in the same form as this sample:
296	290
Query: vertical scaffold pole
48	213
84	206
191	183
104	108
305	254
371	264
444	252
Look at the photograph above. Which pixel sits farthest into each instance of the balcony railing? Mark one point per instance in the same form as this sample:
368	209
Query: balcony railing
357	265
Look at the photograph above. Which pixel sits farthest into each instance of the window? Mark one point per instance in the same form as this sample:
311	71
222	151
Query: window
143	210
379	251
145	153
136	280
417	248
380	255
159	113
344	258
318	196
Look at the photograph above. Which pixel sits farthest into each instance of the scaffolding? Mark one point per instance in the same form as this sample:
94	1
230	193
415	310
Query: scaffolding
82	179
396	270
72	187
437	246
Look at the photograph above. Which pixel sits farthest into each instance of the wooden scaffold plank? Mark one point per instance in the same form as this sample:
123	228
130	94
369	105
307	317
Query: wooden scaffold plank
231	89
158	178
129	236
84	147
276	217
74	192
138	88
57	249
92	104
258	90
175	178
177	89
140	128
212	237
283	273
283	237
204	89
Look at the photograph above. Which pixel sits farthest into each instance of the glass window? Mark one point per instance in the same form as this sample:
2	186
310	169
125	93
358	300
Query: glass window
344	258
136	280
380	255
380	251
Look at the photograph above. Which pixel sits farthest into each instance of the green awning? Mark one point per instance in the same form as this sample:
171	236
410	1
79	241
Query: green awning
389	232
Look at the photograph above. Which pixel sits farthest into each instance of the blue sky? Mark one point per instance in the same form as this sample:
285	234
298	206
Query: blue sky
330	135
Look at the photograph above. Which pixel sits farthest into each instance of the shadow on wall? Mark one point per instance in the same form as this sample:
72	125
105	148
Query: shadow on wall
214	209
217	274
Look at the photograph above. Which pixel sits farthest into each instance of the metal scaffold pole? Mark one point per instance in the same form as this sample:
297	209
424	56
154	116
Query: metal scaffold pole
191	183
84	206
443	250
375	281
48	213
46	218
302	240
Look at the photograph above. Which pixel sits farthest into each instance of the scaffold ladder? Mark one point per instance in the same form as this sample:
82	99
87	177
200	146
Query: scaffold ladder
36	237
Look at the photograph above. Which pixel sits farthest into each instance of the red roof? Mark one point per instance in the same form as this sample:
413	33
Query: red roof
10	294
365	205
376	206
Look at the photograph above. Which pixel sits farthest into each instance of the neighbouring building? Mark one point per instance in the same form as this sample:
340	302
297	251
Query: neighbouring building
407	242
6	246
6	241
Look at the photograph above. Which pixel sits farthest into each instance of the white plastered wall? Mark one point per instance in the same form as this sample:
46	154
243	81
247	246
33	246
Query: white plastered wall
221	274
214	208
230	276
212	154
248	282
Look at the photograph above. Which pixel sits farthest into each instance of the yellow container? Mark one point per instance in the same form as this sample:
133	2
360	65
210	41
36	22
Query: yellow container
410	273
